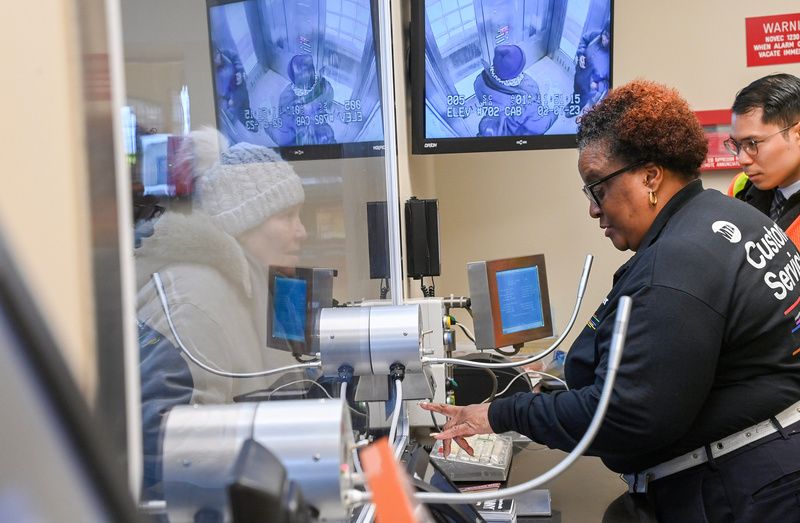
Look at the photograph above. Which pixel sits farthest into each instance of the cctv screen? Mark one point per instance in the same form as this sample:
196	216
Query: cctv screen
295	74
513	67
520	299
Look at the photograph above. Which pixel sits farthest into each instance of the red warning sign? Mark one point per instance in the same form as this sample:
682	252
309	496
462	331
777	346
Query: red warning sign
773	39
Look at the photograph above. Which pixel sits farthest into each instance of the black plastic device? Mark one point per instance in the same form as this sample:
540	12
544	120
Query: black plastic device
378	240
422	238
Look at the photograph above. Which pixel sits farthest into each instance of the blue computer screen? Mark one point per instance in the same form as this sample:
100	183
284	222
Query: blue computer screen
289	308
295	74
520	297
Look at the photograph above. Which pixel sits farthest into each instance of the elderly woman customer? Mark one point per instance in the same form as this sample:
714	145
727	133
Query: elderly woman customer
704	414
213	263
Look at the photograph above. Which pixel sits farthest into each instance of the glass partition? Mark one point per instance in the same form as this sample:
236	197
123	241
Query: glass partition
254	135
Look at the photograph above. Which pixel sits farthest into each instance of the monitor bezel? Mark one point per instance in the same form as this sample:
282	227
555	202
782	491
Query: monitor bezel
420	144
494	267
368	149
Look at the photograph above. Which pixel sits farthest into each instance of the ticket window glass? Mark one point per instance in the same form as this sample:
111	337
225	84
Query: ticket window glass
254	134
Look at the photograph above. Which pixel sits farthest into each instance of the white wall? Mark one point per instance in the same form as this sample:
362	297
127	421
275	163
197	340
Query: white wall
506	204
44	199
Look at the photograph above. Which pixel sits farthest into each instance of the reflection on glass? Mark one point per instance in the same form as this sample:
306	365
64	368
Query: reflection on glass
212	253
214	208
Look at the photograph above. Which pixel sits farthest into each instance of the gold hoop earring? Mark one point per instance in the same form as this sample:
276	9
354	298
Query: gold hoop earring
653	198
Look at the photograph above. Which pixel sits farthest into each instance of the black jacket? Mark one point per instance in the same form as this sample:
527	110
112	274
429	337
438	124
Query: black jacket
710	348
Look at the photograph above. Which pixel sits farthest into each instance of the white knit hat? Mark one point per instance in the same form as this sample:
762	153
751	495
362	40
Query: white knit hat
249	184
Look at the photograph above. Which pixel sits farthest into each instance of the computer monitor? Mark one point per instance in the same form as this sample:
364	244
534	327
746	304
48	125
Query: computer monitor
301	77
296	296
498	75
510	301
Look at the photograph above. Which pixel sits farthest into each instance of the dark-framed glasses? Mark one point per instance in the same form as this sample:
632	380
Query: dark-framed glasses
750	145
596	194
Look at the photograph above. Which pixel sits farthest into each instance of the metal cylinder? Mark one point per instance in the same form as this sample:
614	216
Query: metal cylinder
370	339
201	443
395	336
344	340
311	438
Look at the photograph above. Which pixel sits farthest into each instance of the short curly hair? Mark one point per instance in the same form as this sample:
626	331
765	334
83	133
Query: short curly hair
644	120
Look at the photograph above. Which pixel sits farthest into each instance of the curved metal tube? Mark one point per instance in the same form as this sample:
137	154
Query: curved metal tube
587	267
615	355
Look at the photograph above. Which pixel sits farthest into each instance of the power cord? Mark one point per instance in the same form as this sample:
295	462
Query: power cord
515	350
468	333
427	291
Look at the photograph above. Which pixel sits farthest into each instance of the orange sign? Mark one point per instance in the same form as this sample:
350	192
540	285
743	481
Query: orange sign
391	492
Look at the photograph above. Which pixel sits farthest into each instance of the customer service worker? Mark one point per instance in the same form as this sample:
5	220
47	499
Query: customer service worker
705	410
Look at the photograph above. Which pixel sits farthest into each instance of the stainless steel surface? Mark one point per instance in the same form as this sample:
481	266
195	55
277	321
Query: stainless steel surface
386	66
312	438
371	339
373	388
200	448
418	386
344	340
481	309
395	335
433	311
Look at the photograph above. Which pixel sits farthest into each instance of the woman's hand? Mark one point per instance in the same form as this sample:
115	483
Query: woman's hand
461	423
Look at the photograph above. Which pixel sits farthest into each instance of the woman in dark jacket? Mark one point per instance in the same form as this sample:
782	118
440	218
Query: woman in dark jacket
704	408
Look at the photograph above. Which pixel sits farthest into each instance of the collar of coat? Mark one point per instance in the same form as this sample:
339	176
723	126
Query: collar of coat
193	239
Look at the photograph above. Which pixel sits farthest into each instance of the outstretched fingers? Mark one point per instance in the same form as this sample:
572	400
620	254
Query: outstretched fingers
441	408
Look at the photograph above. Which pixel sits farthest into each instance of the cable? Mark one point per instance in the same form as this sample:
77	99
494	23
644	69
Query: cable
513	352
493	377
615	355
343	396
551	377
165	306
515	378
587	266
398	403
526	373
467	332
295	382
301	360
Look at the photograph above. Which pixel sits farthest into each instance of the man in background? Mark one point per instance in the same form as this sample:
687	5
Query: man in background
766	140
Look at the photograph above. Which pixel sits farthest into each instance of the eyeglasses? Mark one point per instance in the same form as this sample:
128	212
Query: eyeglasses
596	195
749	145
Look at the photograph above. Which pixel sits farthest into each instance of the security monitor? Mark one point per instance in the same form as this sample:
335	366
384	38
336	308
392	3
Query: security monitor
510	302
